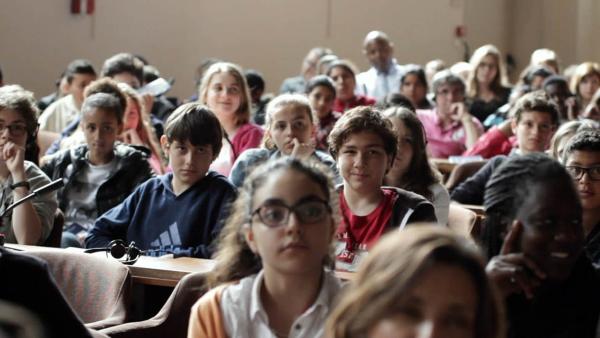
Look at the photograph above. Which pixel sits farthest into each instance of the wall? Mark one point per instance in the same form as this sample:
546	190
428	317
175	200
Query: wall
38	38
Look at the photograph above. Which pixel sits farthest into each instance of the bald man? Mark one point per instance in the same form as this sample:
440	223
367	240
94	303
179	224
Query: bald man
384	75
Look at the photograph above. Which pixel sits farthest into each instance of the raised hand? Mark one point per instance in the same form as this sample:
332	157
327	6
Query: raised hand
14	157
302	150
511	270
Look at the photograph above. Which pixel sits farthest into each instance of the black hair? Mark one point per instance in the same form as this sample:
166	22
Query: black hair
196	123
151	73
106	102
320	81
255	80
396	100
1	75
540	71
347	65
123	63
413	69
585	140
79	66
108	86
510	187
556	80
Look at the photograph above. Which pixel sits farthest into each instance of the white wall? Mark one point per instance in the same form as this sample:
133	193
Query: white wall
39	38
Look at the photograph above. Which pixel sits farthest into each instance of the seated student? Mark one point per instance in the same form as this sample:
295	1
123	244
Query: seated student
413	85
290	129
256	84
99	174
411	169
29	223
26	281
534	238
429	282
563	134
129	69
321	94
180	212
59	114
297	84
584	83
557	89
384	75
272	273
487	85
449	127
343	74
225	91
582	160
137	129
535	119
72	135
364	146
592	111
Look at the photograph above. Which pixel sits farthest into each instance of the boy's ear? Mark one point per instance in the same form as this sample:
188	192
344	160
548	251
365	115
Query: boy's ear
249	237
164	144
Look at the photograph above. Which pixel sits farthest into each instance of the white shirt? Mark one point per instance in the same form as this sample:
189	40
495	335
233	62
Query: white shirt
59	114
245	316
376	84
441	202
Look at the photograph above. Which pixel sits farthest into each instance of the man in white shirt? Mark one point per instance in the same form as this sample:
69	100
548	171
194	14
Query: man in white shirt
384	75
62	112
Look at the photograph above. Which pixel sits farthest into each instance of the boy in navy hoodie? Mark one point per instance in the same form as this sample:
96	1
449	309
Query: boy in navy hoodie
179	213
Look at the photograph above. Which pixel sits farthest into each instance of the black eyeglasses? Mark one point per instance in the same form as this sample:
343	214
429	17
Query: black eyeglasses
14	129
276	213
577	172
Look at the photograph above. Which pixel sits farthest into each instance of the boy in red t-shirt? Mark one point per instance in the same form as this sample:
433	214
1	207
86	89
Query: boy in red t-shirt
364	146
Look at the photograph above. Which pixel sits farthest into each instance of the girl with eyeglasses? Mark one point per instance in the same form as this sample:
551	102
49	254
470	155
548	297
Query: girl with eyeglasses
272	276
29	223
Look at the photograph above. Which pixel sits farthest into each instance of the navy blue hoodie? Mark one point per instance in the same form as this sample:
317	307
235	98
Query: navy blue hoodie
162	223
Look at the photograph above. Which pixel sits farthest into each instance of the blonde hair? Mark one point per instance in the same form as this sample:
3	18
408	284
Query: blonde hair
280	102
583	70
234	258
395	265
242	115
499	81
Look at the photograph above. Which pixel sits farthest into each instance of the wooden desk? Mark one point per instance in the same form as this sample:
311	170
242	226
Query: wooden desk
161	271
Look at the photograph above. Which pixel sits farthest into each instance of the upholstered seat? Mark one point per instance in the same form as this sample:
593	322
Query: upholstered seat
172	319
98	289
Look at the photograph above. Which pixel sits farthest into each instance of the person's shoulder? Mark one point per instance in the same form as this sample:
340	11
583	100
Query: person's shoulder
10	260
132	152
254	154
405	197
213	180
250	128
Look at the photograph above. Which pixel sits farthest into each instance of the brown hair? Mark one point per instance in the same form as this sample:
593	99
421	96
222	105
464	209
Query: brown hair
285	100
395	265
242	115
362	119
144	128
536	101
583	70
234	258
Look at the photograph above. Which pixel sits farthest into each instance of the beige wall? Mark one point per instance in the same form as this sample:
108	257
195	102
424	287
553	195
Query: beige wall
39	38
270	35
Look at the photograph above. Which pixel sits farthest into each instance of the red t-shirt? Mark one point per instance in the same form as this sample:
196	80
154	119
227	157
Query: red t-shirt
363	231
